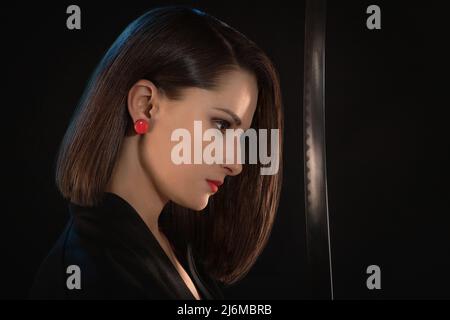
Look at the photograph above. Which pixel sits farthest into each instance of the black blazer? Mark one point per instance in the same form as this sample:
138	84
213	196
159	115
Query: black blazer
119	258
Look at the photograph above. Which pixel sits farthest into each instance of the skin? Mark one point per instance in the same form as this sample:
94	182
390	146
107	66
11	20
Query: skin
144	174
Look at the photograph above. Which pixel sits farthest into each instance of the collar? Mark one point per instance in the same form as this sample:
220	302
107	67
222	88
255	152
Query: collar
115	221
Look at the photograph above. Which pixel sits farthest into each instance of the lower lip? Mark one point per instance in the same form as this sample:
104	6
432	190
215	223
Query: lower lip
213	186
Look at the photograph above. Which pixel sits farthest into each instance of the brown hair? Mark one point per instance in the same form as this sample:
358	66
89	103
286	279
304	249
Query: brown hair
177	47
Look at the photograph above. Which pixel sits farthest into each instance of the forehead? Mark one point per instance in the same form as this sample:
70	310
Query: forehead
238	92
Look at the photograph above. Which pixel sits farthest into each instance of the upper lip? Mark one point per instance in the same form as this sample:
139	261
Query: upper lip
216	182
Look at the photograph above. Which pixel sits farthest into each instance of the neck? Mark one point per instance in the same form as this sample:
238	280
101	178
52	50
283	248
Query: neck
130	181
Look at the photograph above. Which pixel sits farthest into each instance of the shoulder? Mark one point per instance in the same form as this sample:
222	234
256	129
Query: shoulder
81	267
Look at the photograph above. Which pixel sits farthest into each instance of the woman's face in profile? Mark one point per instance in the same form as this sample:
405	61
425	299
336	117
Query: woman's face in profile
230	106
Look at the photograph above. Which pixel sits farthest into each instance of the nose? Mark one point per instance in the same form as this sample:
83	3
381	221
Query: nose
233	161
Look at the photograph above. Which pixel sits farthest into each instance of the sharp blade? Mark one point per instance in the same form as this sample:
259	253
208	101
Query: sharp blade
317	219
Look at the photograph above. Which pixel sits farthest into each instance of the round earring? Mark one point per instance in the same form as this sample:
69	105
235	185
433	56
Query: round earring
141	126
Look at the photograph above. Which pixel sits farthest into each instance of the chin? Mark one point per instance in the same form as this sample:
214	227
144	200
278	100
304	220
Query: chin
198	204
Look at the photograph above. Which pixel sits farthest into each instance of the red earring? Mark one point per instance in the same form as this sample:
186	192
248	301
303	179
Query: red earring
141	126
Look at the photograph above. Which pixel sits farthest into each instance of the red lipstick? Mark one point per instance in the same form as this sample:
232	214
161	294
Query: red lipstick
214	185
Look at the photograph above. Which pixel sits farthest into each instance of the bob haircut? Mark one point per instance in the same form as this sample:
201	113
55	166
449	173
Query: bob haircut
177	47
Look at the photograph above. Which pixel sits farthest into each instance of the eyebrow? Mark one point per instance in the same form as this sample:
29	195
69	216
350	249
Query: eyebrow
236	119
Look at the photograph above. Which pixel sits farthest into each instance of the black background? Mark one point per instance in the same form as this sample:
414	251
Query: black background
386	139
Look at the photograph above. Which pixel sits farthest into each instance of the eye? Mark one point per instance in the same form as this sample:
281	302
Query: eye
222	125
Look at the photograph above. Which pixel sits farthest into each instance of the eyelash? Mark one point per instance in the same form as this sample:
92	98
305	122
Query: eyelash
223	122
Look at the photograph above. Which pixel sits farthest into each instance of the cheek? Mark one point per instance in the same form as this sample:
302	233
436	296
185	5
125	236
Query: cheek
183	184
156	160
190	188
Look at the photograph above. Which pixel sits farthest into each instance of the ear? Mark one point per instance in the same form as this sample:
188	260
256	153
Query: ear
142	100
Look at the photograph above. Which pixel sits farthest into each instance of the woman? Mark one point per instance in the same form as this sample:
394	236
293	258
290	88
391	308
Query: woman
141	225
